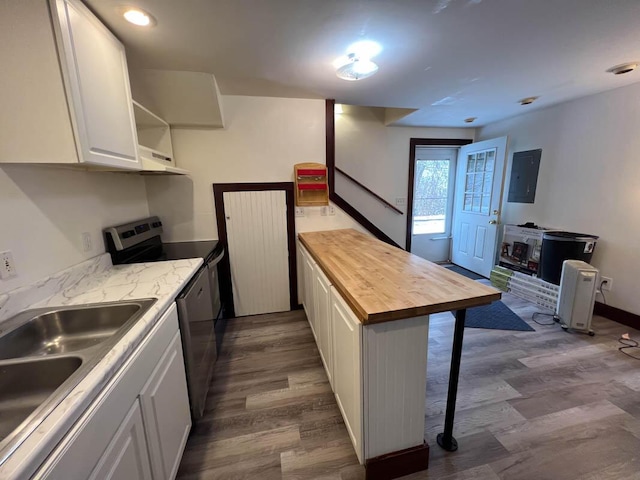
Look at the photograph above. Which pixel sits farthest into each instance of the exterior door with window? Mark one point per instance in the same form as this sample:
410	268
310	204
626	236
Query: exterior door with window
476	213
433	188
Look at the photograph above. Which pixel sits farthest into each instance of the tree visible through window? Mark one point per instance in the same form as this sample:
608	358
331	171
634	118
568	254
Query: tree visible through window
431	196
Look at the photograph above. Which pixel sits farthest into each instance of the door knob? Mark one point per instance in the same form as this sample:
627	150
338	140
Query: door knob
492	222
496	212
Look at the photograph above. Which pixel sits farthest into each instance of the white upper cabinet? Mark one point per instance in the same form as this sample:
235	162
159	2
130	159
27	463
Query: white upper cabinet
99	86
64	88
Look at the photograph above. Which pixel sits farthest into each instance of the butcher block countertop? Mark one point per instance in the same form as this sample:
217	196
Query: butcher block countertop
382	283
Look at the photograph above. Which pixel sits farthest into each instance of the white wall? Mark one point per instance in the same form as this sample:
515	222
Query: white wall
264	138
589	178
45	210
378	157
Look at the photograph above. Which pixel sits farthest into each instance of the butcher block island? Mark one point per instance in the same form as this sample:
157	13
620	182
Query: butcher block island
368	305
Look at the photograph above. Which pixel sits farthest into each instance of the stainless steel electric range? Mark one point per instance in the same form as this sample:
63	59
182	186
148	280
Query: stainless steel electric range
200	311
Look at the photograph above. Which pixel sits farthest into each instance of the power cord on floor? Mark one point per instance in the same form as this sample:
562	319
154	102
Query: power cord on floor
629	343
601	292
533	317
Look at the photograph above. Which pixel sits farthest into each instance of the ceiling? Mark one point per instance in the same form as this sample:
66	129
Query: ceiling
449	59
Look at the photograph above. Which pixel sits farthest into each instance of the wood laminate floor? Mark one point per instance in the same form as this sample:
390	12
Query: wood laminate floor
531	406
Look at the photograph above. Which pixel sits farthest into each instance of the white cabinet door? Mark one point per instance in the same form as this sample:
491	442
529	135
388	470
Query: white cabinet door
127	455
307	268
322	313
347	368
95	70
165	409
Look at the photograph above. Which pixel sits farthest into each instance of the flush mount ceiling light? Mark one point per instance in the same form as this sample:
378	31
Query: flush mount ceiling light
357	68
528	100
137	16
470	119
623	68
357	64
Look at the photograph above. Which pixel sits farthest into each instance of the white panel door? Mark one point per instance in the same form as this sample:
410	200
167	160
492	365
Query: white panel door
347	368
98	82
166	413
322	320
476	212
258	251
127	455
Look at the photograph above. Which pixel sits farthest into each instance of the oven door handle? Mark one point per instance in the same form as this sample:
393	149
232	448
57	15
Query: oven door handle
217	259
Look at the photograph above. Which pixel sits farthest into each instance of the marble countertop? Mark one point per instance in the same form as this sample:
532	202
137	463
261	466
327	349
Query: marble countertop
93	281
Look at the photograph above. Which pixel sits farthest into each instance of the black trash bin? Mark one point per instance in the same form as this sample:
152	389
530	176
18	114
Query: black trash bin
560	246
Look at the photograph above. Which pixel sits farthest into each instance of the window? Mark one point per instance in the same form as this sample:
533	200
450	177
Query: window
479	181
430	200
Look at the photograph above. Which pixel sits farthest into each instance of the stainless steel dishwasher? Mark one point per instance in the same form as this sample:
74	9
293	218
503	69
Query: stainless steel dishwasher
195	313
199	308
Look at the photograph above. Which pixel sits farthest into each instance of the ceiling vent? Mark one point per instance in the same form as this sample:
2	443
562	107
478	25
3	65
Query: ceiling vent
623	68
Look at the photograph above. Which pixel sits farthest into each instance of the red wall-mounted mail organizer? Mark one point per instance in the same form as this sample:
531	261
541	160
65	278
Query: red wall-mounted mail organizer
311	184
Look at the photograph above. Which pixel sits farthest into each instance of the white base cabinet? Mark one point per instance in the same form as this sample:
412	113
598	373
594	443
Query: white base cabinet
377	371
126	456
347	372
137	427
166	415
322	313
308	272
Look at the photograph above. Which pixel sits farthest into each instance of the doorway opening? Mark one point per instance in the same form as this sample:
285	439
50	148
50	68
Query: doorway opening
454	199
433	195
432	173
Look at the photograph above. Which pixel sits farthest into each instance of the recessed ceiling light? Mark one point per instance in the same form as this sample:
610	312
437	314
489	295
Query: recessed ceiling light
470	119
528	100
138	16
623	68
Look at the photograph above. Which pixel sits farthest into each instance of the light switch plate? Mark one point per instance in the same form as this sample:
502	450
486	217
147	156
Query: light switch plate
401	202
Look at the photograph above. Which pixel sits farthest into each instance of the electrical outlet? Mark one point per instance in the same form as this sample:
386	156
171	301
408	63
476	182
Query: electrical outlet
299	211
401	202
323	211
606	283
7	266
332	210
87	244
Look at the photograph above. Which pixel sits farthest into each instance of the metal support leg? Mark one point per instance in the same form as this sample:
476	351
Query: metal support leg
445	439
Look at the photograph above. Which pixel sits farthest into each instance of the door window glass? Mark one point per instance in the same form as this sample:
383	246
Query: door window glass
478	183
431	196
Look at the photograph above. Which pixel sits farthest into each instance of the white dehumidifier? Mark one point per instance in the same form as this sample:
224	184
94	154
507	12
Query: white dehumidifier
578	286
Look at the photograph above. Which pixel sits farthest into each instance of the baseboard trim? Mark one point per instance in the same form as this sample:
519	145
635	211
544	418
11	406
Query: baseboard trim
398	464
617	315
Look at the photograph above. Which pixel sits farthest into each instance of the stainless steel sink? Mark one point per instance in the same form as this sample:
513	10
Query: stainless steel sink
24	386
46	352
65	330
